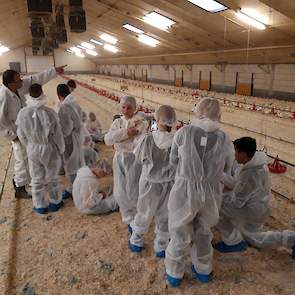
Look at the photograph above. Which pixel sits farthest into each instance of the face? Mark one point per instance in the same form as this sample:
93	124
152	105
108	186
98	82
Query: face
92	117
17	82
161	127
127	110
241	157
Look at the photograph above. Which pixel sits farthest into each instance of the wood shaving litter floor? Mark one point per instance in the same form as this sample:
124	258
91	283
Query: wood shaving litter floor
67	253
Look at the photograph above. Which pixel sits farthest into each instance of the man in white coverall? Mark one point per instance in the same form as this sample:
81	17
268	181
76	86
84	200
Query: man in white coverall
39	131
200	152
248	205
70	117
12	99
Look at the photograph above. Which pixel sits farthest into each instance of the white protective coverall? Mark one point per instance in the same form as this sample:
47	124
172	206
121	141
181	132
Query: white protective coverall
155	183
95	130
10	105
201	152
126	169
86	196
243	216
91	156
39	131
70	116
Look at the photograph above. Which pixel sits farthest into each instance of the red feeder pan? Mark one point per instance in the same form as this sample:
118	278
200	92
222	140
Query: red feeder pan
277	167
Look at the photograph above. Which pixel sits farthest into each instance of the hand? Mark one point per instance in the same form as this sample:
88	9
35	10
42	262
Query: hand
98	173
60	70
226	189
104	194
132	131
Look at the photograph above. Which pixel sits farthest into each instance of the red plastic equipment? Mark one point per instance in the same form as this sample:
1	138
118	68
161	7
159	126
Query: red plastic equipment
277	167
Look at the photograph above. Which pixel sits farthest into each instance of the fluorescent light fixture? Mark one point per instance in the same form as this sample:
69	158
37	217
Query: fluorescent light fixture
88	45
209	5
148	40
3	49
111	48
79	54
96	42
75	49
250	21
81	47
69	50
91	52
133	29
158	20
256	15
108	38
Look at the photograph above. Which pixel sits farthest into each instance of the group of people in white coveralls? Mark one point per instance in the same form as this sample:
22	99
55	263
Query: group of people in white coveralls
187	181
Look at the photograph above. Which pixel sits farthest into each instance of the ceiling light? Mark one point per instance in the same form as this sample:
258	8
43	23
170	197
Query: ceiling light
158	20
256	15
81	47
111	48
108	38
75	49
148	40
250	21
88	45
133	29
91	52
3	49
69	50
96	42
79	54
209	5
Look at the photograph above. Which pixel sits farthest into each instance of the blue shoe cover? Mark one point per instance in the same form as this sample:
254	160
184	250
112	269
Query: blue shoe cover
135	248
201	277
222	247
160	254
130	231
293	251
55	207
173	282
66	195
41	210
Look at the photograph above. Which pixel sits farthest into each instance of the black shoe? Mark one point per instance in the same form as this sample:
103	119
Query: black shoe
20	192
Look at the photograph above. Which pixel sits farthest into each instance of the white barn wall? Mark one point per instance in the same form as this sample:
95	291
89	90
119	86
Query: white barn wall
16	55
269	81
30	63
39	63
73	62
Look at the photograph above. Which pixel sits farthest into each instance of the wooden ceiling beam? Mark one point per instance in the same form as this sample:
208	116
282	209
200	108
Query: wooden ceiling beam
285	7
